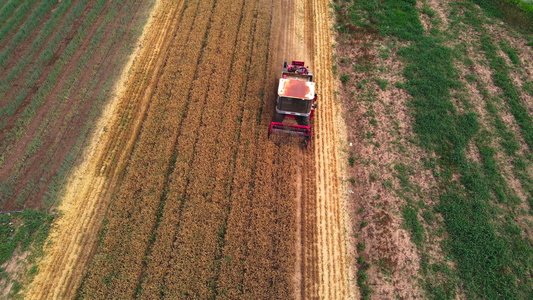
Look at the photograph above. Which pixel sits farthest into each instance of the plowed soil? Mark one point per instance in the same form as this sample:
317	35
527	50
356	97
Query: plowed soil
181	193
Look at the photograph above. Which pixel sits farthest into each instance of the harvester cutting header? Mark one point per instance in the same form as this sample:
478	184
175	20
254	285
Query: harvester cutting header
296	100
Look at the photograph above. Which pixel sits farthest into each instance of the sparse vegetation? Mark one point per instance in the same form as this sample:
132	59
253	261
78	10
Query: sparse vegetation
351	159
410	216
517	12
22	232
473	194
345	78
362	278
382	83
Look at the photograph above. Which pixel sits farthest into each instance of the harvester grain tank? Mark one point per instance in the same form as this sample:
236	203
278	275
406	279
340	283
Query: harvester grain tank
296	100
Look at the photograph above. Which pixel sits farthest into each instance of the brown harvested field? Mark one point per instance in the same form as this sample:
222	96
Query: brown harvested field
181	194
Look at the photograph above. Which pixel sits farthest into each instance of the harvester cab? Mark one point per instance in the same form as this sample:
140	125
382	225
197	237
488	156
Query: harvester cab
296	100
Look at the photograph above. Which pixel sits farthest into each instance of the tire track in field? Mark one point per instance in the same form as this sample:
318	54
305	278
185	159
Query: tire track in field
85	202
292	46
296	43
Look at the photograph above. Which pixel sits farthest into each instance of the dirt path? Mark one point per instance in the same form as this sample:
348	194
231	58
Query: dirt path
319	268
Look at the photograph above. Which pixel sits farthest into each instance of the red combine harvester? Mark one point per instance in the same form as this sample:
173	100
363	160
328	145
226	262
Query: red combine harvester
296	100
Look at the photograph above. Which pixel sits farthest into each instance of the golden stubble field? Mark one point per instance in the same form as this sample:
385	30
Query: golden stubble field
181	194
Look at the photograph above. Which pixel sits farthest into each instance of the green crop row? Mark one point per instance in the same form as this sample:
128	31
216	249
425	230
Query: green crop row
7	81
46	87
24	31
46	56
18	17
8	9
72	83
502	79
510	95
516	12
96	43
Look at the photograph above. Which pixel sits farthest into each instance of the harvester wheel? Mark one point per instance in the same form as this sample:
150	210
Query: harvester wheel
302	120
279	117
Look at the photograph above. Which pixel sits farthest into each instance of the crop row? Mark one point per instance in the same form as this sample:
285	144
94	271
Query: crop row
19	65
35	75
133	213
131	114
227	137
52	116
184	61
34	182
25	30
195	213
196	248
273	201
24	120
259	200
79	90
17	18
100	88
52	78
254	260
21	123
7	9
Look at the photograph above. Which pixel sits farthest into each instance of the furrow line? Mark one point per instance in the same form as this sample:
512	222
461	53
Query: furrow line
140	89
229	282
137	203
193	269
